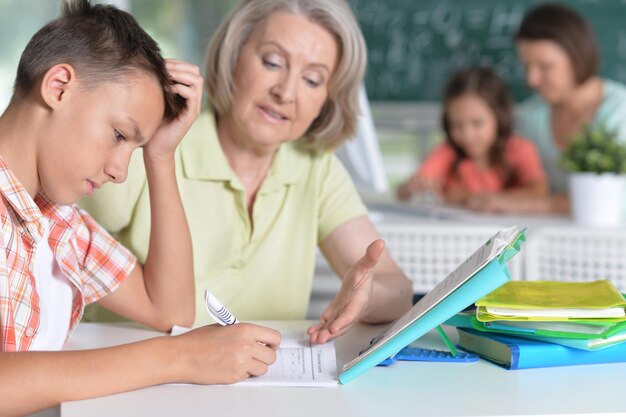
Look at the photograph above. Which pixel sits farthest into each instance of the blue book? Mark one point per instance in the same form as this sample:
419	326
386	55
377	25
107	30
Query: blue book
519	353
480	274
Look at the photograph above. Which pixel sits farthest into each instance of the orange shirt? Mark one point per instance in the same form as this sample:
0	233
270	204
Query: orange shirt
520	154
94	263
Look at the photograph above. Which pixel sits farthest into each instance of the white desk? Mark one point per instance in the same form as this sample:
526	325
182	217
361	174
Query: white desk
404	389
387	210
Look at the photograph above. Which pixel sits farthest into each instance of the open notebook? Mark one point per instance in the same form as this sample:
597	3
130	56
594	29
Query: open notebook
298	363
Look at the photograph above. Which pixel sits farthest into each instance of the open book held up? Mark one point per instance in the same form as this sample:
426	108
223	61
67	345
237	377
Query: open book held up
484	271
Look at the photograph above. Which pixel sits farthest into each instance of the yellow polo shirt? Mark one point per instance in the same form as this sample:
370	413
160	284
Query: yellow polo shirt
260	269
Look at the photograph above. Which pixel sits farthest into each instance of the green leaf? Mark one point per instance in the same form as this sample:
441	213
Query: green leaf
595	149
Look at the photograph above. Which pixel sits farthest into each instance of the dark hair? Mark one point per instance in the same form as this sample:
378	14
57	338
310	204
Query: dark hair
568	29
486	84
102	43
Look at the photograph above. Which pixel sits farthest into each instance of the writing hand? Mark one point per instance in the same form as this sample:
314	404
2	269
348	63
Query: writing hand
218	354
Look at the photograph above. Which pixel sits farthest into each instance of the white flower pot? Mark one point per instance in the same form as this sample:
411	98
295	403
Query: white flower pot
597	199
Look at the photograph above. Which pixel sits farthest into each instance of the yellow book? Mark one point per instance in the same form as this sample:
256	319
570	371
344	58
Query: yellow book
553	300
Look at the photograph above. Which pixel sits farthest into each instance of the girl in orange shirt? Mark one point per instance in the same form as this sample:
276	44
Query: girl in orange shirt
481	165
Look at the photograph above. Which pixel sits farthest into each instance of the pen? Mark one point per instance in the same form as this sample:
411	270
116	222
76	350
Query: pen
217	311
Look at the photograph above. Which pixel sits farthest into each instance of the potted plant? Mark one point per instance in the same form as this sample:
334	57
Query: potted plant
597	162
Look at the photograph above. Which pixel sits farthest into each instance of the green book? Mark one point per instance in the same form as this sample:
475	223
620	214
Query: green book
572	329
590	328
585	344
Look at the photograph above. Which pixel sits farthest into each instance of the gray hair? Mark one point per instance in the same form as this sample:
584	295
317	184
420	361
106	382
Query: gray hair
338	118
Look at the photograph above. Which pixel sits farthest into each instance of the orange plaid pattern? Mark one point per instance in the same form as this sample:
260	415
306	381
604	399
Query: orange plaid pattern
90	258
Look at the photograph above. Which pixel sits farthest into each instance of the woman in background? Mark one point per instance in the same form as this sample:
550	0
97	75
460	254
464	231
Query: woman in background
259	183
481	165
559	52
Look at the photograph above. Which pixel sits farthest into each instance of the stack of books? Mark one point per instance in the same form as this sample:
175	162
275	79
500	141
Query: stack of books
528	324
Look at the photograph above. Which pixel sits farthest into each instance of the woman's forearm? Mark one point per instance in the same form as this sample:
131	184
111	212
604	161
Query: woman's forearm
392	296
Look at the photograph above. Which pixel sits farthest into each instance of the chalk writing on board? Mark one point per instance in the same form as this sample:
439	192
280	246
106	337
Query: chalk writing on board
414	46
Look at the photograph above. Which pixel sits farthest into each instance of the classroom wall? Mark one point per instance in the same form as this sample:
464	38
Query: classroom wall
415	45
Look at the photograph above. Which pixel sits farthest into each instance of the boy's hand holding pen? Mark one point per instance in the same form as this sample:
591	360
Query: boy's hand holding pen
217	311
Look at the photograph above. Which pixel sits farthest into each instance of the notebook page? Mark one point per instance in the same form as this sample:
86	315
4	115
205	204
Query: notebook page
298	363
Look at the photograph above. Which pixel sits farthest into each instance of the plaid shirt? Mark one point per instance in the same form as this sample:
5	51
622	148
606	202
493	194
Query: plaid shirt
94	263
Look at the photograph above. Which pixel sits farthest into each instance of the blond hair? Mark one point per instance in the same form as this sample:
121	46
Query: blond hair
338	118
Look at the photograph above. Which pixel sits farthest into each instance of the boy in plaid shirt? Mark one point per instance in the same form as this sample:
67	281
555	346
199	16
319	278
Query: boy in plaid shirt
92	87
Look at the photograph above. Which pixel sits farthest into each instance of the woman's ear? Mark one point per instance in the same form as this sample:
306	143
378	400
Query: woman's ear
56	82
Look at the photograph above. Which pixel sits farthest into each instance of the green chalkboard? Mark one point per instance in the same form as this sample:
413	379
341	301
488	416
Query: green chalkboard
414	45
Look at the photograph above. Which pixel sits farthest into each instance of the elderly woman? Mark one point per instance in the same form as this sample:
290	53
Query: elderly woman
260	185
558	50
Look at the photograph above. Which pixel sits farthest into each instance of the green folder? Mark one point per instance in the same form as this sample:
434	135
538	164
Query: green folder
468	320
552	296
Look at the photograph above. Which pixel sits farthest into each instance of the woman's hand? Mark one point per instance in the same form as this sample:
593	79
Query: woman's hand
187	84
353	298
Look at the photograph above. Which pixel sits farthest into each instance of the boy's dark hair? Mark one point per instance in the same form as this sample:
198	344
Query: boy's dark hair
102	43
486	84
569	30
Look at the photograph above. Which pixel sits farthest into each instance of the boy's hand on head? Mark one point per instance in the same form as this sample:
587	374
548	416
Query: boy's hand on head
352	300
226	354
188	84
